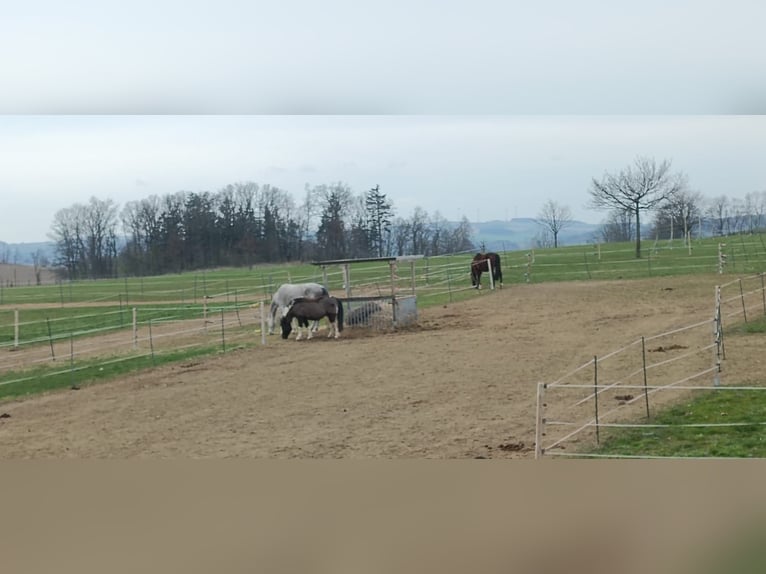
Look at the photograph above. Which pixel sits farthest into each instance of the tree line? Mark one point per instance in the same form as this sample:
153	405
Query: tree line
243	224
679	211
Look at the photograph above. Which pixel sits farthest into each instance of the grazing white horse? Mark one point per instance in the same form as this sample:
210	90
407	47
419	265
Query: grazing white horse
285	295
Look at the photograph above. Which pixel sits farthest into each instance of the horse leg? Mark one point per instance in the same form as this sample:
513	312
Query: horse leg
271	318
334	332
299	332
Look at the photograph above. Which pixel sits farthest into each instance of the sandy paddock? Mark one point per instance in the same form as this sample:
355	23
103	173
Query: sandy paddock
460	384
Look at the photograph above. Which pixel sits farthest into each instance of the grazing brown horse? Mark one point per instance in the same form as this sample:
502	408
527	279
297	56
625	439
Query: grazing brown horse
305	310
481	263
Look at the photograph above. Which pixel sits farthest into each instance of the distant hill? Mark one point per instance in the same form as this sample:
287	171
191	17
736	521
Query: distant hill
22	253
522	232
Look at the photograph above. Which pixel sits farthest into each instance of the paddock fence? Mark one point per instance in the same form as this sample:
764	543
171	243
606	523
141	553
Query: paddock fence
624	388
91	328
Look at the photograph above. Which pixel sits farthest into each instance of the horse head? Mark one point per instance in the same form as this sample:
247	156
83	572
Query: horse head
287	325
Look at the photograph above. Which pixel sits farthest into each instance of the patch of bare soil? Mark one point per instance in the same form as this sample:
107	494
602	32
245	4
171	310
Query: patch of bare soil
24	275
460	384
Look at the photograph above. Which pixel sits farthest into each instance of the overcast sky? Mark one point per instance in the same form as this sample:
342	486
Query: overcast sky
483	167
485	108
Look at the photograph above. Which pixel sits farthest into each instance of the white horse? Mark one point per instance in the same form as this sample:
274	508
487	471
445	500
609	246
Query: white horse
289	291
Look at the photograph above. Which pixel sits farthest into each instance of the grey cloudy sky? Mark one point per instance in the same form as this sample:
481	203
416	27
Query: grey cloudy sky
484	109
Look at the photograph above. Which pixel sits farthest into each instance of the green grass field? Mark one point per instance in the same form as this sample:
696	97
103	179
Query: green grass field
744	255
744	410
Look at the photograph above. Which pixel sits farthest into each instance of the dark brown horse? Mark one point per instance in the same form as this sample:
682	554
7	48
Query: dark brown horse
481	263
305	310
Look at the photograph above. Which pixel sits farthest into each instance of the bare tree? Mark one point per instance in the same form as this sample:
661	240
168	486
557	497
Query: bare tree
420	231
67	233
101	237
543	239
681	212
554	218
735	223
718	210
439	239
755	203
401	232
39	260
618	227
640	187
461	237
760	209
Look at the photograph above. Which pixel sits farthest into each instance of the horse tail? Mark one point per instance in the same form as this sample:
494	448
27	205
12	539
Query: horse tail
325	292
499	274
339	318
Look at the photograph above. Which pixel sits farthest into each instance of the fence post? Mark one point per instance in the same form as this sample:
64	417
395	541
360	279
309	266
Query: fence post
529	268
595	394
742	297
721	258
717	337
223	336
392	267
587	269
15	329
540	421
347	279
763	295
50	338
135	328
646	390
72	386
151	342
263	325
491	281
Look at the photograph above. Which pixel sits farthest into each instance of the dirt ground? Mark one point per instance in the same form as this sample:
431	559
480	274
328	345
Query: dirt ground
24	275
461	384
